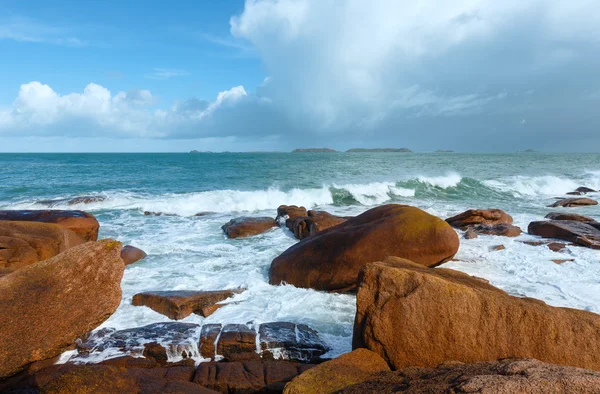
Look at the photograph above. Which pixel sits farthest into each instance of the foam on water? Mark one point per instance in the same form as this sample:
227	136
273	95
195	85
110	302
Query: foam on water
450	179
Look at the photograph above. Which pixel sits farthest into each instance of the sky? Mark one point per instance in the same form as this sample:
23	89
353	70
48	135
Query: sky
274	75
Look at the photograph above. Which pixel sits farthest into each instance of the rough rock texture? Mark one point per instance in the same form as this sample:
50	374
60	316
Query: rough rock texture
81	223
415	316
48	305
305	226
569	216
474	217
573	202
248	226
291	212
179	304
582	234
333	258
208	340
351	368
108	377
131	254
502	229
25	243
509	376
237	342
248	376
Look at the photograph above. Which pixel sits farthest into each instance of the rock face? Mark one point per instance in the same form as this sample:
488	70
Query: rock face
249	376
247	226
351	368
474	217
569	216
131	254
81	223
48	305
276	341
574	202
525	376
305	226
290	212
25	243
502	229
179	304
582	234
333	258
473	322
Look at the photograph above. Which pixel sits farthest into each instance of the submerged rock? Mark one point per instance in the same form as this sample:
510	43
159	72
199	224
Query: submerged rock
502	229
179	304
579	233
332	259
48	305
248	226
351	368
81	223
474	217
573	202
130	254
248	376
474	321
489	377
470	233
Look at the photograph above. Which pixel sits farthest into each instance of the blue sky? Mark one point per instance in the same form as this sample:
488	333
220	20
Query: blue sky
467	75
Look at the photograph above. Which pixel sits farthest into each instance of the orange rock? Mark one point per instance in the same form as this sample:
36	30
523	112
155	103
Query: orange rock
502	229
579	233
48	305
574	202
332	259
131	254
247	226
416	316
316	221
479	216
291	212
81	223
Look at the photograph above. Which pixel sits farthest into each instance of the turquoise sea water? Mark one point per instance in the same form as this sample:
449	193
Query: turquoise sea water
191	252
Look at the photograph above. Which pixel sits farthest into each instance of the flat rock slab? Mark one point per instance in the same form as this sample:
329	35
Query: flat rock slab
501	229
492	377
574	202
569	216
80	222
474	217
248	226
248	376
474	321
179	304
579	233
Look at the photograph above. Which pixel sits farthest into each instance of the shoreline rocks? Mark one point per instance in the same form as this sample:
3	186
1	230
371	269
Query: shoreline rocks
474	321
47	306
179	304
573	202
305	226
130	254
248	226
569	216
332	259
80	222
475	217
579	233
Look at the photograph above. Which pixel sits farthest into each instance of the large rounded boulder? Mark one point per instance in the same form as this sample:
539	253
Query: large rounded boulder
332	259
81	223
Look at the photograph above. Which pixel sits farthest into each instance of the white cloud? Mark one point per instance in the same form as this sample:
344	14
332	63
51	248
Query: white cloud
166	73
27	30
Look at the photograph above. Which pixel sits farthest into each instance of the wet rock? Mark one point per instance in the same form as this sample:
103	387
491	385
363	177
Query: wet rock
490	377
179	304
332	259
48	305
81	223
556	246
351	368
573	202
26	243
131	254
290	341
497	248
248	226
208	340
316	221
503	230
179	339
562	261
156	352
569	216
585	190
579	233
470	233
237	342
474	217
248	376
290	212
150	213
397	298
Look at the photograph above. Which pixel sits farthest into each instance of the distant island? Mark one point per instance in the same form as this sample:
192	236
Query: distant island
444	151
318	150
529	151
378	150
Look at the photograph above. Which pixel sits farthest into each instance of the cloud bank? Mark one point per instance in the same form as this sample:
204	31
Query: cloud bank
424	74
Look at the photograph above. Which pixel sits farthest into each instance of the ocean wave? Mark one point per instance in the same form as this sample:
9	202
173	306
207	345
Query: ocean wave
451	179
524	186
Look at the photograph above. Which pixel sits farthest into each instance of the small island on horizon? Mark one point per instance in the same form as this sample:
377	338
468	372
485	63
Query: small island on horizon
353	150
314	150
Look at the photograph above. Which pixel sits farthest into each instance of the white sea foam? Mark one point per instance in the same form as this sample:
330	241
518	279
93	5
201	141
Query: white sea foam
451	179
534	186
375	193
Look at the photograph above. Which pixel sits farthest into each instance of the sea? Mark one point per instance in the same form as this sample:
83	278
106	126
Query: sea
189	252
